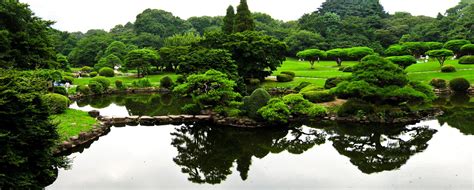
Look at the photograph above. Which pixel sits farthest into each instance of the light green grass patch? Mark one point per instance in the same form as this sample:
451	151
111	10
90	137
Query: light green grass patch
72	122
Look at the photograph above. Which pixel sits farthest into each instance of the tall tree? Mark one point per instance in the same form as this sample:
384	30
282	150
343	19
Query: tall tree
141	59
229	21
243	19
360	8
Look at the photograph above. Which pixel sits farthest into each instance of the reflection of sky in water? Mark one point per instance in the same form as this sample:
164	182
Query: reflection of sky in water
111	110
142	158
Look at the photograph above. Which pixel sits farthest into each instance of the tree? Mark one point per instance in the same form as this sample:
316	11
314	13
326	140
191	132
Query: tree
359	8
141	59
416	48
243	18
229	21
90	48
159	22
63	62
468	49
185	39
358	53
338	54
205	23
311	55
455	46
402	61
117	48
25	41
203	59
303	39
441	55
169	56
109	61
397	50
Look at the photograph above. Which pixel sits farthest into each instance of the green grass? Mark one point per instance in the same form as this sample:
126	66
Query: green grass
127	80
72	122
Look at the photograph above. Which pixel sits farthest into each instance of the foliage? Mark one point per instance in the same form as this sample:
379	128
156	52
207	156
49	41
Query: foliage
185	39
229	21
448	69
63	62
56	103
319	96
302	85
333	82
276	111
468	59
86	69
118	49
202	59
159	22
60	90
355	106
303	39
83	89
243	18
455	45
360	8
423	88
438	83
88	49
99	85
68	79
142	60
170	57
119	84
109	61
380	72
252	103
416	48
291	73
93	74
166	82
357	53
311	55
338	54
467	49
459	85
402	61
107	72
284	78
142	83
441	55
301	107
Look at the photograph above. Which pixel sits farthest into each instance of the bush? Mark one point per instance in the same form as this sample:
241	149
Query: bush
252	103
297	104
459	85
319	96
166	82
119	84
56	103
317	111
333	82
284	78
347	69
106	72
402	61
291	73
86	69
103	81
468	59
448	69
93	74
302	85
68	79
85	90
254	81
438	83
192	109
468	49
396	96
355	107
99	85
60	90
276	111
181	79
424	88
142	83
311	87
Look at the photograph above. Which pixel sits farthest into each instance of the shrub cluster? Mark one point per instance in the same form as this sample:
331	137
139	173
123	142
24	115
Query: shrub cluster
166	82
254	81
459	85
468	59
302	85
99	85
119	84
68	79
438	83
355	107
86	69
93	74
60	90
142	83
319	96
252	103
85	90
448	69
106	72
333	82
56	103
291	73
284	78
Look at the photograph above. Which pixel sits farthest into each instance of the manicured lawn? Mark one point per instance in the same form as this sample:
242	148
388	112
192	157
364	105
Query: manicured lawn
73	122
127	80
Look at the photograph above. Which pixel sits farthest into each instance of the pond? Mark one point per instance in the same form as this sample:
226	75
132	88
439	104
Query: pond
432	154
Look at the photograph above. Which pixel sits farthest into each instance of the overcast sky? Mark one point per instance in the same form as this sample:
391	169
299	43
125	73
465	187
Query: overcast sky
82	15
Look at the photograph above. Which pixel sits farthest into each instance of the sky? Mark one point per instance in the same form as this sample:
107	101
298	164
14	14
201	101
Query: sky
82	15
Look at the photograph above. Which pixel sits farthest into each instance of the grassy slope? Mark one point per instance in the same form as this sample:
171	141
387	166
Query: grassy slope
73	122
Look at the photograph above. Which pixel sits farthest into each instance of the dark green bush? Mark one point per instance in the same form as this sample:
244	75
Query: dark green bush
56	103
142	83
406	94
354	107
347	69
119	84
252	103
402	61
166	82
181	79
284	78
276	111
192	109
311	87
468	59
106	72
60	90
302	107
459	85
99	85
86	69
103	81
448	69
68	79
85	90
93	74
423	88
438	83
302	85
254	81
319	96
291	73
333	82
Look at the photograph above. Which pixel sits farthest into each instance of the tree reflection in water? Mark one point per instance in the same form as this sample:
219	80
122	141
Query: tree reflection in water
380	148
207	154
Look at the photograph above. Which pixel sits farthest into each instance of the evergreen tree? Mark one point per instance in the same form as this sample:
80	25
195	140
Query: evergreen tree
229	21
243	19
361	8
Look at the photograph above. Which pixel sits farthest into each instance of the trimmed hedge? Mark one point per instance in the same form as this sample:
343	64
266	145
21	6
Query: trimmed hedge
438	83
254	81
68	79
93	74
291	73
106	72
284	78
459	85
99	85
468	59
333	82
448	69
85	90
258	99
86	69
302	85
319	96
166	82
56	103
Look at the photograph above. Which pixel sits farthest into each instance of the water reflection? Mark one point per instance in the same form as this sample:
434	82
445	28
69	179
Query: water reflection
206	154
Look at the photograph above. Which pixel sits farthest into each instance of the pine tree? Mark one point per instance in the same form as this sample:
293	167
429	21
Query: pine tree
229	21
243	18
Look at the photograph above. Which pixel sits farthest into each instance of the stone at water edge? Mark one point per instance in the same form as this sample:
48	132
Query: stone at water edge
94	113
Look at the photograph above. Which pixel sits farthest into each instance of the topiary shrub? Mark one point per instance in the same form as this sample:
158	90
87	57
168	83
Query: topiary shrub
99	85
106	72
60	90
319	96
438	83
423	88
291	73
459	85
85	90
311	87
252	103
93	74
276	111
355	107
68	79
448	69
166	82
402	61
142	83
56	103
468	59
86	69
333	82
119	84
300	106
284	78
302	85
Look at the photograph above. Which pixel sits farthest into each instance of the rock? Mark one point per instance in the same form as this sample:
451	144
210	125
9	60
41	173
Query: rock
147	121
94	113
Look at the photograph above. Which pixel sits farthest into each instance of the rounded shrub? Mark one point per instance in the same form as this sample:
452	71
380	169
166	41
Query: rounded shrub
254	81
319	96
60	90
166	82
284	78
119	84
347	69
142	83
311	87
438	83
333	82
85	90
56	103
251	104
276	111
99	85
86	69
423	88
448	69
468	49
468	59
302	85
106	72
291	73
68	79
180	79
459	85
355	107
93	74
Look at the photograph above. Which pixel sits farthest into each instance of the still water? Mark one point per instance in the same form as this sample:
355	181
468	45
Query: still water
433	154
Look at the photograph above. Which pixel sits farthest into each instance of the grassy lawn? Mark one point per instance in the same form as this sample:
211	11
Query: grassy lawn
72	122
127	80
